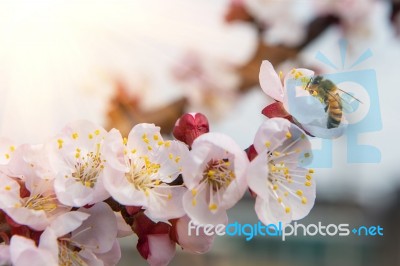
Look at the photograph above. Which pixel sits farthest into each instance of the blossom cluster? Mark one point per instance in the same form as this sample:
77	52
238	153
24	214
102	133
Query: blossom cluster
68	200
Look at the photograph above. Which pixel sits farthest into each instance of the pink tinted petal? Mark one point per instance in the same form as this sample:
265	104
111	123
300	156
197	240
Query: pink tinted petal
72	193
121	190
24	252
199	211
198	244
90	258
123	228
114	150
162	250
10	190
143	136
171	160
37	220
270	82
271	211
271	134
257	175
168	206
68	222
48	242
103	228
5	256
112	256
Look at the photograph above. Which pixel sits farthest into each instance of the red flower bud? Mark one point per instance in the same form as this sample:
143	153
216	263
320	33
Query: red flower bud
189	126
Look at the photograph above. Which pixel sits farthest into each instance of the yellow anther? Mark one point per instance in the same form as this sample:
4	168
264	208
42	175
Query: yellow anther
287	209
277	153
288	135
169	196
125	151
8	188
160	143
273	168
308	177
149	148
280	75
155	137
286	171
12	148
304	200
87	183
275	187
146	140
299	192
307	184
267	144
194	192
280	200
177	159
213	207
157	182
167	144
133	151
211	173
170	156
7	156
306	154
75	135
60	143
125	141
97	132
286	193
90	136
311	171
194	202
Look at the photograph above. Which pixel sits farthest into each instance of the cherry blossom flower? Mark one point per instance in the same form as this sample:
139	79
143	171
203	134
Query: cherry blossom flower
78	158
305	108
214	173
284	188
140	169
28	195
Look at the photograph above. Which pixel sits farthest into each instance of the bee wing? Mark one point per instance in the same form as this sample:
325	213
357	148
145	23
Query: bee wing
344	101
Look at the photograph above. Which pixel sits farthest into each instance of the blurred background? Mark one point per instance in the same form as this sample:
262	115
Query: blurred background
124	62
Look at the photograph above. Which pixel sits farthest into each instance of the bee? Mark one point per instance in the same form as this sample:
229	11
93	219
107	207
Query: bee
327	92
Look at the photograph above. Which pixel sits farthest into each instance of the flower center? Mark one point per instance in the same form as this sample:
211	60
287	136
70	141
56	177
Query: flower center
218	174
67	256
143	174
88	167
41	203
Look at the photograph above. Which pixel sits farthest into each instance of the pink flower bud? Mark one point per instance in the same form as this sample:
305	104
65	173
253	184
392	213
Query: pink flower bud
190	126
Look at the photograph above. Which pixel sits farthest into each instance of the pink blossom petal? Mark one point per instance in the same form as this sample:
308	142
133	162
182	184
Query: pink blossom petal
257	175
123	228
112	256
270	81
199	212
102	226
68	222
24	252
162	250
166	207
198	244
270	211
143	136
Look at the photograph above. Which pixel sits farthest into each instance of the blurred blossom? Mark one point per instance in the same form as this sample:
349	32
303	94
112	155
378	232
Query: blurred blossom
61	60
285	190
284	22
